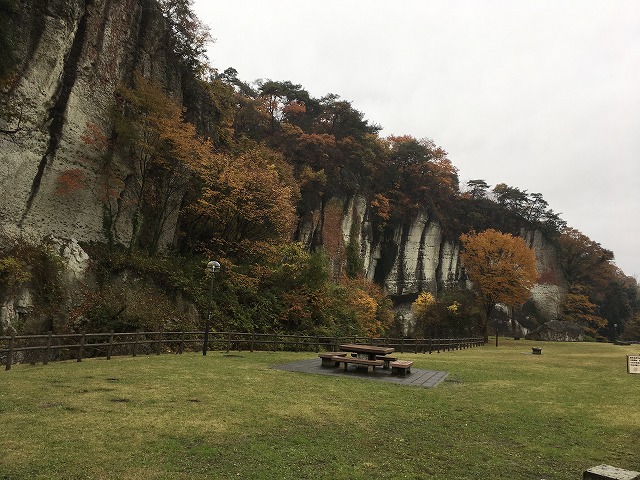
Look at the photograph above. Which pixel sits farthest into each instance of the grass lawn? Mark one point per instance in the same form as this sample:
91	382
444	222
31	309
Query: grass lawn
501	414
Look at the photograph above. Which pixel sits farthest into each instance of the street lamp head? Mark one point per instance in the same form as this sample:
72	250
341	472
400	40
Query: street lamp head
213	266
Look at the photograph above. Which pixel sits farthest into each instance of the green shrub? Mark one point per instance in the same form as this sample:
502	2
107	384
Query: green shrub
36	266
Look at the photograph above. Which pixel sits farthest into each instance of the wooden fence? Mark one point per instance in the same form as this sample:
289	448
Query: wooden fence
45	348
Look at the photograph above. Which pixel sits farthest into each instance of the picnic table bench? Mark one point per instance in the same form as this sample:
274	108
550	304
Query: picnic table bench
386	359
327	358
370	365
401	367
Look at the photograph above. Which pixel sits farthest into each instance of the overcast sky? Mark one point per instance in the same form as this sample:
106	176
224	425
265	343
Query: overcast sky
543	95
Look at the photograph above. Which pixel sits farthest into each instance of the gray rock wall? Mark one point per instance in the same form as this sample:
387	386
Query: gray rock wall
80	54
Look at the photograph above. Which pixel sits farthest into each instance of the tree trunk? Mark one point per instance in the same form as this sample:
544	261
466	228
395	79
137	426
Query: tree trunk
488	308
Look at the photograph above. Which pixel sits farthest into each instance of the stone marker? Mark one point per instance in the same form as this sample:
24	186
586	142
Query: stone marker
607	472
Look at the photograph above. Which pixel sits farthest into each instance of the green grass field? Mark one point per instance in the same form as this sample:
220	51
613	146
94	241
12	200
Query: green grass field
501	414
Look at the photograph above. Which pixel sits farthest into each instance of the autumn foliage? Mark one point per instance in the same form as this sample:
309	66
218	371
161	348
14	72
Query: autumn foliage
501	267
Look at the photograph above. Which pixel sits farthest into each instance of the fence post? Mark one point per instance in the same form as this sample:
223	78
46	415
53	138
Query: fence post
253	341
159	343
110	347
47	350
275	342
181	347
135	343
229	342
12	342
81	347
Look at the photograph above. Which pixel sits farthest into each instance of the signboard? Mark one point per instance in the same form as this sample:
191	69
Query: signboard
633	363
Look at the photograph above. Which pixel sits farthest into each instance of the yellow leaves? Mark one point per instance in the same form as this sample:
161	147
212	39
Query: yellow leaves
365	308
367	302
424	301
423	306
290	130
13	272
453	308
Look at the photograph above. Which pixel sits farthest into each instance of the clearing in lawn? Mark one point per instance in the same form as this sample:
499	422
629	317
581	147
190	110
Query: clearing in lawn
501	413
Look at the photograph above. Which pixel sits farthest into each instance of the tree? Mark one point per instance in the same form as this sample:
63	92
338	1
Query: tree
165	151
189	36
502	268
453	311
583	261
423	309
579	309
246	199
417	175
477	189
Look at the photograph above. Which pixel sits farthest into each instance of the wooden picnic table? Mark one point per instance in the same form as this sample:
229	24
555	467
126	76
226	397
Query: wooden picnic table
368	352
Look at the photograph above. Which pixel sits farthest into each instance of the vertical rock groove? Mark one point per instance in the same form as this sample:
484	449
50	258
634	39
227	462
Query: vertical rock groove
56	115
406	229
420	266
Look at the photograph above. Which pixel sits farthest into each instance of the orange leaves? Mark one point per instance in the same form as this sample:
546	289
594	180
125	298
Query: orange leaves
294	108
583	261
319	140
165	152
154	124
380	206
95	137
71	181
501	266
248	197
578	308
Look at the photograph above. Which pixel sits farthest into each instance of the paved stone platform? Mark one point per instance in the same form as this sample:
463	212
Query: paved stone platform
417	377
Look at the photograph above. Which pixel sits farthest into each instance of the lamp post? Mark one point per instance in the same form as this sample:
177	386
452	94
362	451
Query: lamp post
212	268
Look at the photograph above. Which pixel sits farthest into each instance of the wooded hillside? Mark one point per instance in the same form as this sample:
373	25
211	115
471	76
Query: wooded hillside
201	164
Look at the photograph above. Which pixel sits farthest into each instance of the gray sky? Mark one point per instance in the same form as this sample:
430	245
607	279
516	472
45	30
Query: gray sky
543	95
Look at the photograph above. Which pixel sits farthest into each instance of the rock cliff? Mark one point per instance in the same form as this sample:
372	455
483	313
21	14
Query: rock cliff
74	55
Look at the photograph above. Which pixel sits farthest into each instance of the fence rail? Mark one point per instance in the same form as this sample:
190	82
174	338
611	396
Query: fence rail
45	348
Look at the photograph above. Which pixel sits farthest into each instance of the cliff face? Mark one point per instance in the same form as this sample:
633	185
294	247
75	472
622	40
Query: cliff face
75	54
416	256
73	57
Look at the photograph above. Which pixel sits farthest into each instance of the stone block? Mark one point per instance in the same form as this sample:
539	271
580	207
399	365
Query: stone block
607	472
